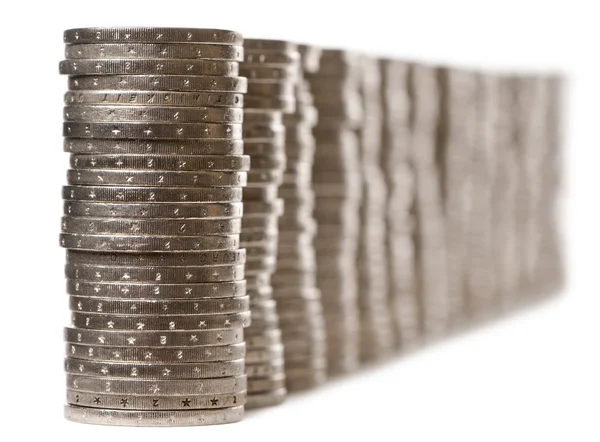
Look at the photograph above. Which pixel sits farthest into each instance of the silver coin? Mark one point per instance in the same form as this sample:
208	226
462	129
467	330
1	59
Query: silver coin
153	339
132	243
159	67
153	210
152	194
263	131
273	382
143	178
264	148
266	369
155	371
153	227
156	355
231	163
232	257
154	307
157	291
97	321
175	83
157	147
152	35
271	57
256	71
270	88
189	51
151	130
121	402
286	104
151	115
136	418
258	177
154	98
154	274
259	208
263	116
262	44
266	399
146	387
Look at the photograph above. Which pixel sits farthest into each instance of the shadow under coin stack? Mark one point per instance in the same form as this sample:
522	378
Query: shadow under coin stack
271	70
377	332
298	299
337	185
152	221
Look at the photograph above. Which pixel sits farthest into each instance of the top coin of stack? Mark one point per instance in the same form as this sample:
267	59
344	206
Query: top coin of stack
152	222
271	67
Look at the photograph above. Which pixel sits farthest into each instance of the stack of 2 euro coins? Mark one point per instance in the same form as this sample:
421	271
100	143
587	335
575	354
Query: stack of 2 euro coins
398	169
271	68
377	332
152	219
298	299
337	185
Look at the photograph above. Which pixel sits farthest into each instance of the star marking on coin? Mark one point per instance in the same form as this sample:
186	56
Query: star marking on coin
227	322
148	355
98	66
92	194
197	370
166	371
148	132
188	291
131	340
119	162
126	277
155	388
104	370
79	305
202	324
122	82
164	52
219	337
188	276
81	368
110	324
221	306
101	339
124	402
125	290
131	50
207	353
116	131
186	402
117	354
194	338
140	325
214	402
96	400
127	36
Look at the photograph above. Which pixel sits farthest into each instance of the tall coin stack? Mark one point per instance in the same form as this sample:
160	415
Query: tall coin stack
377	331
337	185
399	174
430	232
151	223
298	299
271	68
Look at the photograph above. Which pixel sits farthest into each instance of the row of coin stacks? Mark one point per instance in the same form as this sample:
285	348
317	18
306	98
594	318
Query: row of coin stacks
356	207
153	207
271	68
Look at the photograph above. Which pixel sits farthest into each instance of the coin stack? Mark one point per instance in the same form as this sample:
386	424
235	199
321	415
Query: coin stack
459	120
400	180
151	222
430	224
271	68
337	185
298	299
481	273
376	329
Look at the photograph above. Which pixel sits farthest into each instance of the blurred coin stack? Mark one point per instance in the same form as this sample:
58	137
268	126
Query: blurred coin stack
152	218
430	231
459	120
271	68
376	330
398	169
298	299
337	185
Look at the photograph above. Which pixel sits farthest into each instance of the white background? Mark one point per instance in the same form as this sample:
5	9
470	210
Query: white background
533	377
